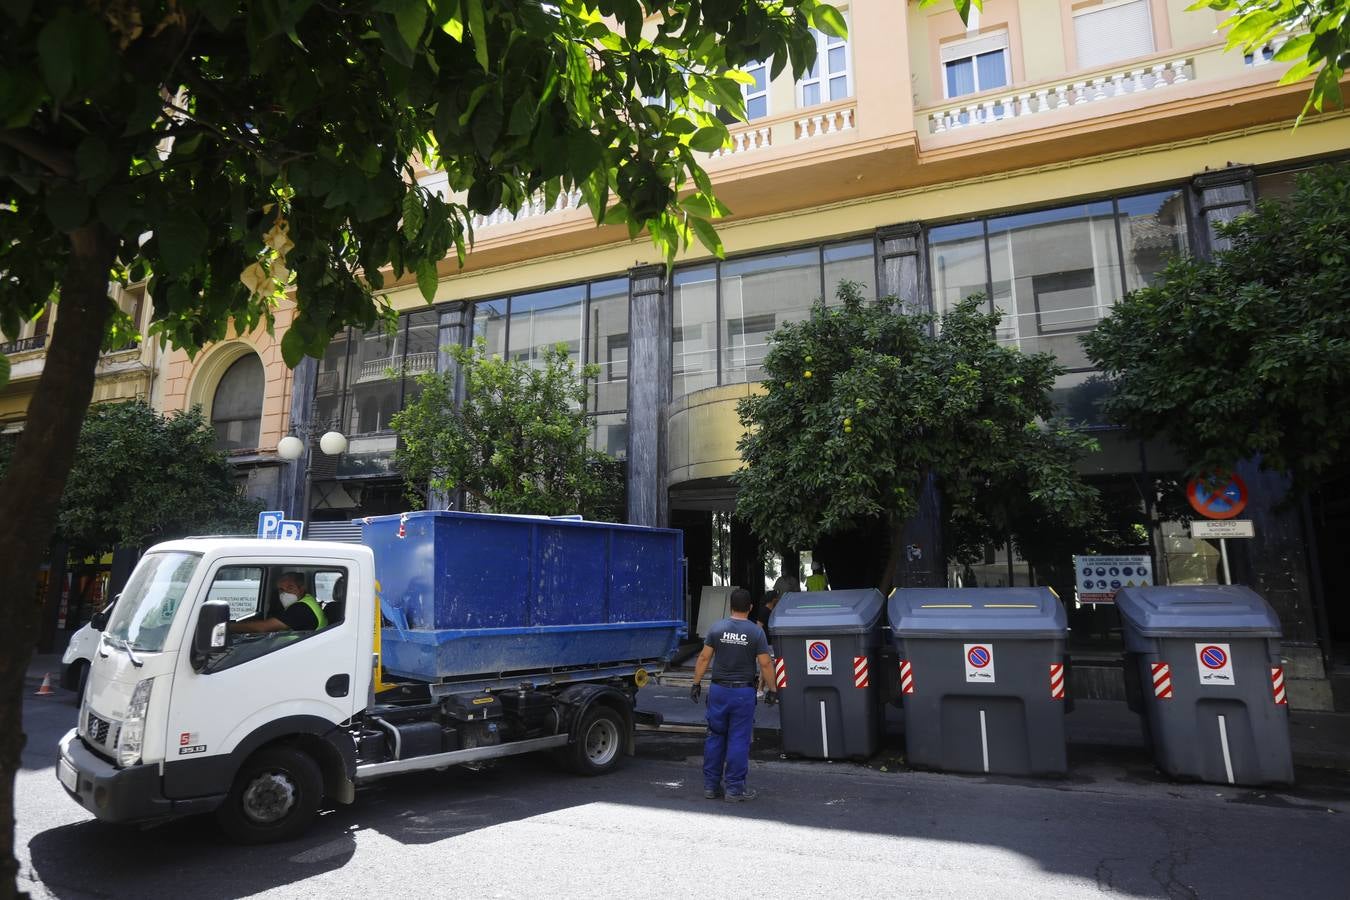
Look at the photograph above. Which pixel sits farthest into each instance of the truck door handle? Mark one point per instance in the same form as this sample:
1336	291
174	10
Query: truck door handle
338	685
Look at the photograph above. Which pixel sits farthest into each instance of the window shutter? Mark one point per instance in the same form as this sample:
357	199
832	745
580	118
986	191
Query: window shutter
1105	35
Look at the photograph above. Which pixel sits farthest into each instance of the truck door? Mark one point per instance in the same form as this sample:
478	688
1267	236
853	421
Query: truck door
263	679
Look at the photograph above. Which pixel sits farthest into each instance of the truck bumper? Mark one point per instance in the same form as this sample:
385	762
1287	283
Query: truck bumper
133	794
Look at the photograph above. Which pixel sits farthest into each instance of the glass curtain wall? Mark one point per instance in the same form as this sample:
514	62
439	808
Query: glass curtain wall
366	377
723	314
591	320
1055	273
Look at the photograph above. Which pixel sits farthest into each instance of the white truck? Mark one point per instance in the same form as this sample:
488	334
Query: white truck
499	644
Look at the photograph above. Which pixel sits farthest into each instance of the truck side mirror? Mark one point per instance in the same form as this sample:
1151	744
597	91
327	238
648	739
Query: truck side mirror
99	620
212	636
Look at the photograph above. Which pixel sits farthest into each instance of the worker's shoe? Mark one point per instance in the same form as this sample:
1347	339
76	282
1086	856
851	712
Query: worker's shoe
712	793
747	794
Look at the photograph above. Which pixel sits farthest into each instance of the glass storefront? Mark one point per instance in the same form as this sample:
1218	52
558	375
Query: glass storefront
723	313
1055	273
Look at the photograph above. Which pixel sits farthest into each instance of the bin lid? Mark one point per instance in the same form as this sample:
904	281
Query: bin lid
1210	609
827	612
961	612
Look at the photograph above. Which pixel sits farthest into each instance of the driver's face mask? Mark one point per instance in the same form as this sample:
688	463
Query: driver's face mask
287	598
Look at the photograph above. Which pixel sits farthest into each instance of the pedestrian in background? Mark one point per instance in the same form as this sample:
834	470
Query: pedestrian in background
733	648
817	581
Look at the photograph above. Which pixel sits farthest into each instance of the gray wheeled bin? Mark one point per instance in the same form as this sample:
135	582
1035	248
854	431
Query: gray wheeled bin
827	645
1202	666
982	678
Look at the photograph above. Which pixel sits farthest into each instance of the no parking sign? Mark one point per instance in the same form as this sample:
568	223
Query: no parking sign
818	658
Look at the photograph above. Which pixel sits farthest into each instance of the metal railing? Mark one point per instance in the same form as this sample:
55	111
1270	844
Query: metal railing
36	342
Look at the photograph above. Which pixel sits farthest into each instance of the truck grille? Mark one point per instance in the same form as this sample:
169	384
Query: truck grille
96	730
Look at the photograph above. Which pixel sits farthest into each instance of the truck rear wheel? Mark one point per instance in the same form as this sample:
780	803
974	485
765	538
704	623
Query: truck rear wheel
275	797
598	747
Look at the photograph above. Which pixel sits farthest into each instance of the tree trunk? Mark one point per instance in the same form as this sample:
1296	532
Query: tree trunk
896	528
32	489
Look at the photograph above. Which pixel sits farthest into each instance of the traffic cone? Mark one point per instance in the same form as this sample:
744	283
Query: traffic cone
46	689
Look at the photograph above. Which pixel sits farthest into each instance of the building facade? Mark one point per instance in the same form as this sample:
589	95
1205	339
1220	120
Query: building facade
1049	154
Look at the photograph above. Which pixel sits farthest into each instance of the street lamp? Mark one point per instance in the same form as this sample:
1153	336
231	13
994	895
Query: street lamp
294	445
332	441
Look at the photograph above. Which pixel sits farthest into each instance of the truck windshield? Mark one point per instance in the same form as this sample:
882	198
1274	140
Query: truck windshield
146	608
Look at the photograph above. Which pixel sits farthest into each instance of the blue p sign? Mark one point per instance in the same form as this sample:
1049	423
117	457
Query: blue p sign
290	530
269	523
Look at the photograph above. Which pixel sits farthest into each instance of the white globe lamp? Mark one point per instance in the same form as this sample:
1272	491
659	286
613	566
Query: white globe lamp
333	443
290	447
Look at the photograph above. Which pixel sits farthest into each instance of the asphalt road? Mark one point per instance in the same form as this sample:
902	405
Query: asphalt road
525	829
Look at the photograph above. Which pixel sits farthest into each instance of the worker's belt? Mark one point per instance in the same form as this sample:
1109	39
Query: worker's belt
722	682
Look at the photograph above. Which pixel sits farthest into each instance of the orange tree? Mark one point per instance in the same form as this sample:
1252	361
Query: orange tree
232	152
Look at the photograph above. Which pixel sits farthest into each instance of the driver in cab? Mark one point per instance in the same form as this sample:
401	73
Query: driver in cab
299	610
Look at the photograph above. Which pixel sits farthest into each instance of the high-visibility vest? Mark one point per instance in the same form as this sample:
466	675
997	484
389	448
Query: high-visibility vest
817	582
316	609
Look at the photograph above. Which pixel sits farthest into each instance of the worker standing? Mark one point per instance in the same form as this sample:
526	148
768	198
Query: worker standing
733	647
817	581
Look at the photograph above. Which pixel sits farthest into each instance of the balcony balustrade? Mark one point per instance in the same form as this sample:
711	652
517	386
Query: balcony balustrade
1037	101
413	364
37	342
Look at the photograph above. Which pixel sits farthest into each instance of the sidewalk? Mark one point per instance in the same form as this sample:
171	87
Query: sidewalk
1318	739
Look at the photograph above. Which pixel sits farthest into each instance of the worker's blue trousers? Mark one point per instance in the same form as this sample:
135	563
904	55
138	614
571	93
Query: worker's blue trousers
731	723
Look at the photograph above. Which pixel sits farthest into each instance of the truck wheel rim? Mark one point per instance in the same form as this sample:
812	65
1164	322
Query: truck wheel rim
269	798
602	742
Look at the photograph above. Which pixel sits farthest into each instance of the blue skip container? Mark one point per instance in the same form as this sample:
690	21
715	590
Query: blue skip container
475	596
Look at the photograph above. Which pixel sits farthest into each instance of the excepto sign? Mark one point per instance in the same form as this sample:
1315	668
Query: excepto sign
1221	499
1214	662
980	663
273	525
1098	578
819	661
1223	528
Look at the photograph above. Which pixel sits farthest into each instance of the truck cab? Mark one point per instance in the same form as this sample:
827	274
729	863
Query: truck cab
175	705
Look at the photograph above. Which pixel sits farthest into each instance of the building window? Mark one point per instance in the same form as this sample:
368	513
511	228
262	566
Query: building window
972	65
236	409
1109	32
724	314
828	78
1055	273
591	320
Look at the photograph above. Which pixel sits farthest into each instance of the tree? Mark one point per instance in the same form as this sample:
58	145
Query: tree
1321	45
864	401
1248	354
141	477
235	152
516	444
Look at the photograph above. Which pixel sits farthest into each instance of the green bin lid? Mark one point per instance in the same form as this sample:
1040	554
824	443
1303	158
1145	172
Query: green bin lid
1033	612
1214	610
823	613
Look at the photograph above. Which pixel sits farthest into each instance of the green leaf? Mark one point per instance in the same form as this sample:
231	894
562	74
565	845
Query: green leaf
454	26
709	139
413	215
292	347
478	29
67	206
829	20
411	17
1294	48
91	158
707	236
426	279
182	237
58	50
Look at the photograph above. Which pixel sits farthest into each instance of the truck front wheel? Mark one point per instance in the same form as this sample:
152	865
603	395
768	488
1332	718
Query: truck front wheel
275	797
598	747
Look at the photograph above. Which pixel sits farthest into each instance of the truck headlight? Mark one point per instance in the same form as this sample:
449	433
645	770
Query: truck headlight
132	734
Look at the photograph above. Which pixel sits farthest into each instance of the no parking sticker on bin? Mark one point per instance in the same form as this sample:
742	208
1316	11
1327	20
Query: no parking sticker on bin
818	660
1215	664
980	663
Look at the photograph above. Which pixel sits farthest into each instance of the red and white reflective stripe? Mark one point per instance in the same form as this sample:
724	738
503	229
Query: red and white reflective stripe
860	672
1162	681
780	671
1057	681
1277	685
906	677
